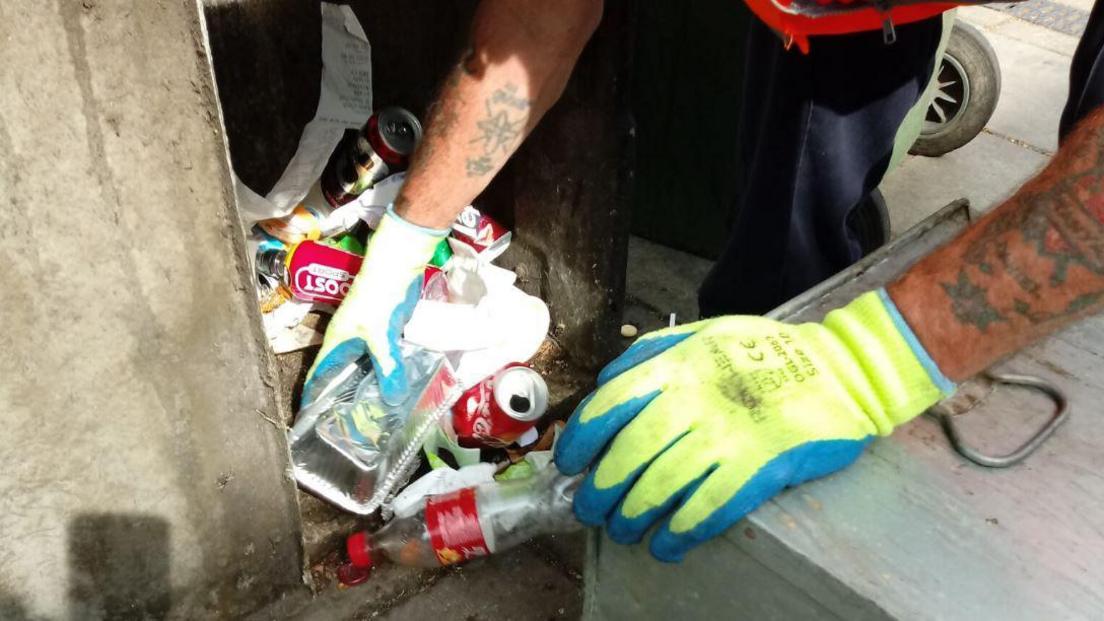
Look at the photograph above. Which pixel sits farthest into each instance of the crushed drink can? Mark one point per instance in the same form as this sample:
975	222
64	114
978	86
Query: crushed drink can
381	148
480	231
498	410
320	273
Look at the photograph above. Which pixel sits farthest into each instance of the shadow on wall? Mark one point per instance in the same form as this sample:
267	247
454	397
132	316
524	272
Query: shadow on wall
11	609
266	56
118	568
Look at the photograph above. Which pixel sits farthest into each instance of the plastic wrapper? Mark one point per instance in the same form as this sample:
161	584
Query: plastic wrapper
354	450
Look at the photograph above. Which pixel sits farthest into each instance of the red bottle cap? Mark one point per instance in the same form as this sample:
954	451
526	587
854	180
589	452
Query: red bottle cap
359	547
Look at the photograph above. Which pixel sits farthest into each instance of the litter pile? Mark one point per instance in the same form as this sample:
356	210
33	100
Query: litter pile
472	425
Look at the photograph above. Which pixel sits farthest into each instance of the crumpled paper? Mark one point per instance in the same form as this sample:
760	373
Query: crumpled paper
484	323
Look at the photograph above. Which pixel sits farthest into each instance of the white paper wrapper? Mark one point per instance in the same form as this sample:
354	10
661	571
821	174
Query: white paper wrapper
485	324
344	102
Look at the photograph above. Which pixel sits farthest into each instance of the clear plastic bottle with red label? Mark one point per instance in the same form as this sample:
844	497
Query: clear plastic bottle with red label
471	522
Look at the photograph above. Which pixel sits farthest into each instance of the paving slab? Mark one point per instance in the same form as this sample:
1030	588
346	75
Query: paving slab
1035	84
1052	15
982	17
1045	38
986	170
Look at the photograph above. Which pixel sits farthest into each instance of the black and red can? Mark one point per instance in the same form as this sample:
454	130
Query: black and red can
381	148
500	409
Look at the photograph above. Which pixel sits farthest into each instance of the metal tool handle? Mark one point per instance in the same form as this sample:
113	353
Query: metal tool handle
1061	413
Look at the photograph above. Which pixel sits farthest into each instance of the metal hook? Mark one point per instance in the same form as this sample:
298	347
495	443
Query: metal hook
1061	413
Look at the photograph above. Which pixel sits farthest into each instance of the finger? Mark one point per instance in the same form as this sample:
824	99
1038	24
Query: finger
387	357
653	431
585	436
326	367
729	494
647	347
602	415
723	499
661	487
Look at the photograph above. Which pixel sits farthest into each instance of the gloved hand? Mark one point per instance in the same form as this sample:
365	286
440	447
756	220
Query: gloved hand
379	303
704	422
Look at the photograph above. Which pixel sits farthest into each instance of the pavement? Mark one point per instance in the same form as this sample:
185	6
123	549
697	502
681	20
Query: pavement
542	580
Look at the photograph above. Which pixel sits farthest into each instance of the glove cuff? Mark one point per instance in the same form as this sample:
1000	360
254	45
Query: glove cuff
941	381
438	234
403	243
904	377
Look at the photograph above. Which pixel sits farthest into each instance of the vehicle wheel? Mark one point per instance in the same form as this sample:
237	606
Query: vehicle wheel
869	220
966	93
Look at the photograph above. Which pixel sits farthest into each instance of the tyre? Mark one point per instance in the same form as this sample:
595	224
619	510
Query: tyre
869	221
966	93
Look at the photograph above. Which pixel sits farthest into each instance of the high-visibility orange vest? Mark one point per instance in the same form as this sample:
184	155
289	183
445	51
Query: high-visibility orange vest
797	20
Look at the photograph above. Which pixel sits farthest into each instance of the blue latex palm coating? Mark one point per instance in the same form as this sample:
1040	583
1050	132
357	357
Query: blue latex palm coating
580	443
640	351
793	467
394	385
626	530
346	353
593	505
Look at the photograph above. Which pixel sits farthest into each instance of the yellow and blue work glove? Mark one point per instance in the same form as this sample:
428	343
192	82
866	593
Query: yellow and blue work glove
380	301
695	426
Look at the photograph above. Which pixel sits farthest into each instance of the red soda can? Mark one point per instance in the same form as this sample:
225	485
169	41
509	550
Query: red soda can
479	230
382	148
498	410
320	273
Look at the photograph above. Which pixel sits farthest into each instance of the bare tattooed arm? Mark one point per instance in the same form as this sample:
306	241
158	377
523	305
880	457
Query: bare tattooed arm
521	55
1025	270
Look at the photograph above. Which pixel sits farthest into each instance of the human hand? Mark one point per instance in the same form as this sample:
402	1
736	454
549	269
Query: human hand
380	301
705	422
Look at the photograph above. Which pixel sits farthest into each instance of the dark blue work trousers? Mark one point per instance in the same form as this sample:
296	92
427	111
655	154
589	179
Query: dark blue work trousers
816	136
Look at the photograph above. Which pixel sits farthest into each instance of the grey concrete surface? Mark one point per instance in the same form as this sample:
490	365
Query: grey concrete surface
516	585
986	170
1035	84
141	475
657	278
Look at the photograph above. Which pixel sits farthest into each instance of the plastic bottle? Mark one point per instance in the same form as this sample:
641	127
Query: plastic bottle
471	522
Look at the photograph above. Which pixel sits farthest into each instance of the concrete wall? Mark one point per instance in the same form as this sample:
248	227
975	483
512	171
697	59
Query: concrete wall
139	473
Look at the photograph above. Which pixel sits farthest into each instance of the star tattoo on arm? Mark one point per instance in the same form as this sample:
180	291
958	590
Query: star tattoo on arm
500	129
